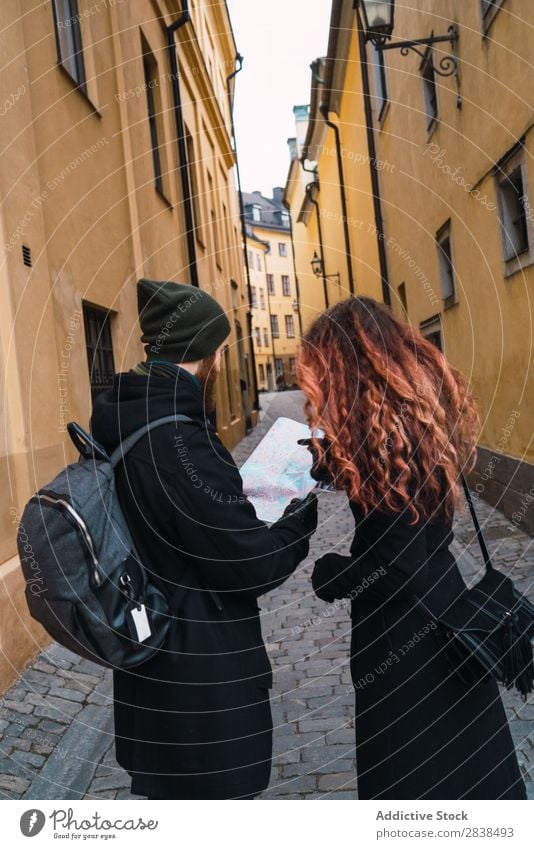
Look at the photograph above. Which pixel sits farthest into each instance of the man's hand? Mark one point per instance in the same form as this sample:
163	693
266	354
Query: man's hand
305	510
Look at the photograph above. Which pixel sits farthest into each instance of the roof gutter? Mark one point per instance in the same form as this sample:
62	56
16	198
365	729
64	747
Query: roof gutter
229	78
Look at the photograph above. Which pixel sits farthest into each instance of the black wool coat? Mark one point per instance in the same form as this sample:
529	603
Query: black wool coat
420	732
194	721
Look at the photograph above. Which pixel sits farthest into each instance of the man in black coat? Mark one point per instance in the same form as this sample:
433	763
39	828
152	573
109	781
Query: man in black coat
194	722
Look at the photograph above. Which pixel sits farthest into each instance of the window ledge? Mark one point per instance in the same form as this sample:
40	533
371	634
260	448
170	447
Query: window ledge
451	301
432	127
80	89
164	198
518	263
384	111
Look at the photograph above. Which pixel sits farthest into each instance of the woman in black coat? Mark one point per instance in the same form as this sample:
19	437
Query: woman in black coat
399	423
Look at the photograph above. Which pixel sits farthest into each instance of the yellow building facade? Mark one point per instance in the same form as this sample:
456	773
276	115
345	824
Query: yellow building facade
274	290
114	167
441	224
458	219
329	185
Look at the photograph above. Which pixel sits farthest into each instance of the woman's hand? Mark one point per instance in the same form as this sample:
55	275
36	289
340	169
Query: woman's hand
327	577
318	472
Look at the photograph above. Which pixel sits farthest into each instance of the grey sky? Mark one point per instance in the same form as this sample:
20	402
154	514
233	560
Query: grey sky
278	40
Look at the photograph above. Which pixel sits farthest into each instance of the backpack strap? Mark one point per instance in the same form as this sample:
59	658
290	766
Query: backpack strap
127	444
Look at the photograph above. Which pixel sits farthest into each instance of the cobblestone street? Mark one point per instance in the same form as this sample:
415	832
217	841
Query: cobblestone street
56	734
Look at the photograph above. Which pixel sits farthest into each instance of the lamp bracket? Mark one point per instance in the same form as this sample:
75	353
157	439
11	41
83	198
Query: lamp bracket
447	65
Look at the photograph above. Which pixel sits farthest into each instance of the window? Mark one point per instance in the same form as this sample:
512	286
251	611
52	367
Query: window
270	284
290	327
262	373
282	249
293	365
253	296
278	366
69	40
235	294
286	287
429	90
381	88
489	9
262	299
213	217
258	337
431	330
250	259
150	69
258	262
403	299
193	184
274	327
513	214
265	337
256	212
99	346
229	387
446	266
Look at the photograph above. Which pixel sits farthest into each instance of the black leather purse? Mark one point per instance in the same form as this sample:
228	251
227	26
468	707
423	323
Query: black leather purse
488	629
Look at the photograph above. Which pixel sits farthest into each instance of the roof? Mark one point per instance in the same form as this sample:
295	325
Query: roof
271	210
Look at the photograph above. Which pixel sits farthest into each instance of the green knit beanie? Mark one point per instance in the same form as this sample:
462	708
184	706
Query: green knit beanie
180	323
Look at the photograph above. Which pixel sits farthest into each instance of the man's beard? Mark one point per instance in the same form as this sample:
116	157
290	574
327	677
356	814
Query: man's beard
207	374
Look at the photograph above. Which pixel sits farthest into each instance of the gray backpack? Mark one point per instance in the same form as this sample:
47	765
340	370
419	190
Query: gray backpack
85	583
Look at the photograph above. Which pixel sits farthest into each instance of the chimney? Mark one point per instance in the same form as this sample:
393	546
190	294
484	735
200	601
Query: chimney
278	193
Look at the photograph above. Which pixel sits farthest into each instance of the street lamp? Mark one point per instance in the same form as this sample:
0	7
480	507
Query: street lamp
378	17
317	265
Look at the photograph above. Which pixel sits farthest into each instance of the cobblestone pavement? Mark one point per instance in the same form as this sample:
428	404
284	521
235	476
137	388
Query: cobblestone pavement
56	730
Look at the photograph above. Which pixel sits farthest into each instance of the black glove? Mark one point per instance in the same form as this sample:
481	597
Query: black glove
318	472
305	510
327	577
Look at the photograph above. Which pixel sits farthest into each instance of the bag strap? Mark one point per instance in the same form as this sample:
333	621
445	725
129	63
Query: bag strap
127	444
480	536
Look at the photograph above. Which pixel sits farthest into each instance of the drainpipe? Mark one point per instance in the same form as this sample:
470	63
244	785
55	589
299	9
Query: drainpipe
375	184
239	63
323	109
308	191
184	18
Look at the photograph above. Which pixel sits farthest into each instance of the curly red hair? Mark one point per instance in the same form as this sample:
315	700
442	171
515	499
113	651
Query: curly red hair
399	420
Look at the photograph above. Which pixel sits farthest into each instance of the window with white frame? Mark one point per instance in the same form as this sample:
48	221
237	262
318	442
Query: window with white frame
290	326
286	285
282	249
515	211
